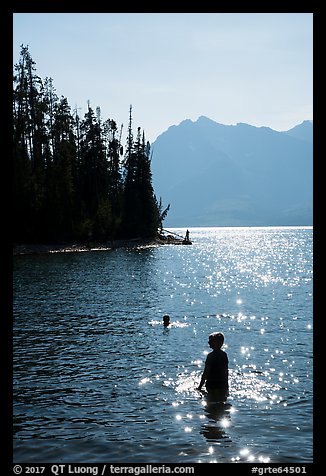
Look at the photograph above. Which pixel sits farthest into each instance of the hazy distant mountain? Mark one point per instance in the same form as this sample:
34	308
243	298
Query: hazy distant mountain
218	175
303	131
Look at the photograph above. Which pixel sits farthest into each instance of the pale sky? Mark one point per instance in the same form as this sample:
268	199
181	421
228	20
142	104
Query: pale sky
255	68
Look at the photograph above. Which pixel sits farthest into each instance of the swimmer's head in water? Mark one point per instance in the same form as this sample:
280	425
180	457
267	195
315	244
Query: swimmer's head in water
166	320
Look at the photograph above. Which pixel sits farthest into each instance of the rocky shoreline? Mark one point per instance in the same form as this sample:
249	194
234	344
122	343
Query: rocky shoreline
135	243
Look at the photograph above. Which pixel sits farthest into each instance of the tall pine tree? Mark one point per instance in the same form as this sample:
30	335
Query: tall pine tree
71	179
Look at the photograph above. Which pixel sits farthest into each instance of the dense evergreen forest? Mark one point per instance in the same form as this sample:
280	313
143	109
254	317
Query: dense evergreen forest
73	178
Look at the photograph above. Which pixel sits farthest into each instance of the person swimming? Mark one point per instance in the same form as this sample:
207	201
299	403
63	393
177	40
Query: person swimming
166	320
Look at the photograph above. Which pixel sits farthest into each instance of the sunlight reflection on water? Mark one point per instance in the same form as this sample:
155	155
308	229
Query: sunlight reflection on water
97	377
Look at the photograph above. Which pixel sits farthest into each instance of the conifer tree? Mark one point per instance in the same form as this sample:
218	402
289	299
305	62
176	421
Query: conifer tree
141	215
71	179
93	172
61	204
30	142
114	152
130	198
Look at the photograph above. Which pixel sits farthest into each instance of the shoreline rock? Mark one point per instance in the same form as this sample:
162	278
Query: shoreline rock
134	243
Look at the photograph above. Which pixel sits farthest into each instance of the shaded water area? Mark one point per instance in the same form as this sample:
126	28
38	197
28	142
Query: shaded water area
97	378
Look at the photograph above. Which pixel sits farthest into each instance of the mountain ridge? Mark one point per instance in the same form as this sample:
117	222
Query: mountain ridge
231	175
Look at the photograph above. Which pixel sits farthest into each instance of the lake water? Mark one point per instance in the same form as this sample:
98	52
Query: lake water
98	379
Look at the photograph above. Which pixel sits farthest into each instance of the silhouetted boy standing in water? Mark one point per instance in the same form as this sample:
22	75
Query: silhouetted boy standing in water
216	371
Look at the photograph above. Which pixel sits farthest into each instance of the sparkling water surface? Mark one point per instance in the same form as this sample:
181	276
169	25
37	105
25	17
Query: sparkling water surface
97	378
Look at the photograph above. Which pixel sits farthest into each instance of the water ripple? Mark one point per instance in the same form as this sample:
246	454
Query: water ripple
98	378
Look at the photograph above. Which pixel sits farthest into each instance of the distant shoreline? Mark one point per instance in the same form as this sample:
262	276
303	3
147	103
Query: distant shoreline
134	243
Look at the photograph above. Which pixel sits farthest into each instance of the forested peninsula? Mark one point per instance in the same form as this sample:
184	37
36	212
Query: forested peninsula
74	180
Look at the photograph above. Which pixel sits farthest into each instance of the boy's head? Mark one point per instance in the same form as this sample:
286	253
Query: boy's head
216	340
